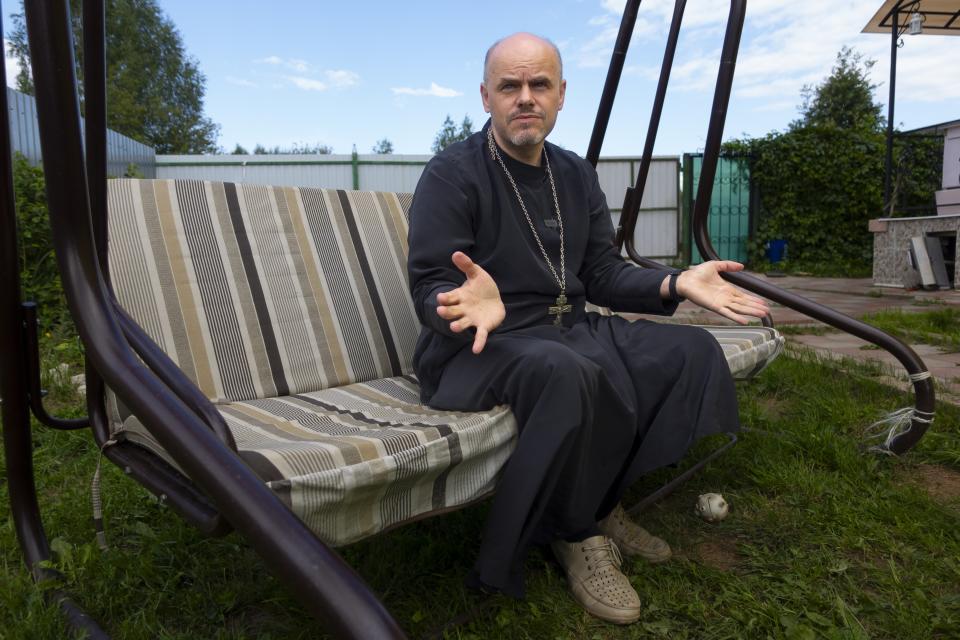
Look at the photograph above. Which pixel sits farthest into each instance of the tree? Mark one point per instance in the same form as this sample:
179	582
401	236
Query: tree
296	148
448	133
383	146
845	98
239	150
154	88
820	182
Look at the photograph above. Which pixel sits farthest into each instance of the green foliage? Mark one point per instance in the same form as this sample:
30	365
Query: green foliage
823	540
449	134
239	150
821	181
818	188
133	171
845	98
940	327
39	277
383	146
297	148
154	88
917	174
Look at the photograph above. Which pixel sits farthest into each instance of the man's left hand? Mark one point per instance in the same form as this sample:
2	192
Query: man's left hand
703	285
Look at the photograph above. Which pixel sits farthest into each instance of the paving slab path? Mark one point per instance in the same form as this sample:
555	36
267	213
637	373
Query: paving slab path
854	297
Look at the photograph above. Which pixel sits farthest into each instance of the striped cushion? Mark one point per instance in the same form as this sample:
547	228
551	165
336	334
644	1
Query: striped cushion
261	291
289	308
358	459
748	349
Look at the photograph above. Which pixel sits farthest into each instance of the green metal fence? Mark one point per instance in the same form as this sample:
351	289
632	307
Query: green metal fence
730	218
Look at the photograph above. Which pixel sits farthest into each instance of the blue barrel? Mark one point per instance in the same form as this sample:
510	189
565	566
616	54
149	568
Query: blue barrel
776	250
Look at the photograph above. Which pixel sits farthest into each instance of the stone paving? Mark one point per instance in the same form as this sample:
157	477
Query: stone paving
854	297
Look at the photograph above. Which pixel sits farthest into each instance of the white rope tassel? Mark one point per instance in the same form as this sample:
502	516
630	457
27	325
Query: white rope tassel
97	503
917	377
893	425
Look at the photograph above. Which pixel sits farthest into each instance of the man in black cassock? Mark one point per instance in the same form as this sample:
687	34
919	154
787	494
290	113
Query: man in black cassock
509	237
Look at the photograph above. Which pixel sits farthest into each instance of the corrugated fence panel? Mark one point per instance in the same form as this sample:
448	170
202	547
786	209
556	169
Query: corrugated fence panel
328	171
657	232
615	176
391	173
25	138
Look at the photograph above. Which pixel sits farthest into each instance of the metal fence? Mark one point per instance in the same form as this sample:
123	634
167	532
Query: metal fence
25	138
658	226
733	203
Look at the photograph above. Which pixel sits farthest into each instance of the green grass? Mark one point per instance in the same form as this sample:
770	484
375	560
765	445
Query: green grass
940	327
805	329
823	541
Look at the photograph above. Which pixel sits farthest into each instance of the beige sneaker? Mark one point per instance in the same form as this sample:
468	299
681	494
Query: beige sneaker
593	571
632	538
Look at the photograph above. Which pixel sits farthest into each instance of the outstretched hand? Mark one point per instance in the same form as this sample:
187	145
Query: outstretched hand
703	285
476	303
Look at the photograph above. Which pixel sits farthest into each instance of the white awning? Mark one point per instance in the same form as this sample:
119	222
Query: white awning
941	17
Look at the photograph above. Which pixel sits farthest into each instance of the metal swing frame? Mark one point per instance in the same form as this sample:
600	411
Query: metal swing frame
224	494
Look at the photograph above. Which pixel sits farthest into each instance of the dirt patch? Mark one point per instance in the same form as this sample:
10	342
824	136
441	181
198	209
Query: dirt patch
719	554
772	408
941	483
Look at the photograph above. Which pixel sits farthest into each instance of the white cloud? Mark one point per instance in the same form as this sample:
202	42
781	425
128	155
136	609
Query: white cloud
12	67
296	64
334	78
342	77
307	84
434	90
240	82
786	45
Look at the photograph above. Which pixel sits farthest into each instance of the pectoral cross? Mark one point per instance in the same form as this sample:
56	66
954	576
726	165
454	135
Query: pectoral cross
559	309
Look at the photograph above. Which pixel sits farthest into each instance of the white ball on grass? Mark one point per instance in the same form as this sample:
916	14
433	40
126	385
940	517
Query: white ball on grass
712	507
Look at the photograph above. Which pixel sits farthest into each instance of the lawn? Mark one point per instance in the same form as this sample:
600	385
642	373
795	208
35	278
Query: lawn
940	327
824	540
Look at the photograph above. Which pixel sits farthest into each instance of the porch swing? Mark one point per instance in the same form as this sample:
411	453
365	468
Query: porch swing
211	418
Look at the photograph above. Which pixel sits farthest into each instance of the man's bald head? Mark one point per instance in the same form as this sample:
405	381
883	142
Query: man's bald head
522	90
519	38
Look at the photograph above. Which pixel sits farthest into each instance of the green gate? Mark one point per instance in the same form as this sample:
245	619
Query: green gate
729	220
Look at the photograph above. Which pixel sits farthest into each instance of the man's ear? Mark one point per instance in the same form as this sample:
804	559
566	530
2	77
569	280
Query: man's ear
485	97
563	93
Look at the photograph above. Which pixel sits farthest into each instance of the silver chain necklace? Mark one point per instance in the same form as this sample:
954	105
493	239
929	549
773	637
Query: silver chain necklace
561	306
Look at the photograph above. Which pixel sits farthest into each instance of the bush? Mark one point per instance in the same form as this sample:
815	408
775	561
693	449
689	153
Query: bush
819	186
917	174
820	182
39	277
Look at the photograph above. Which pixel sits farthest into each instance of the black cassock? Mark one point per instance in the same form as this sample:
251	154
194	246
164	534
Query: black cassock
599	401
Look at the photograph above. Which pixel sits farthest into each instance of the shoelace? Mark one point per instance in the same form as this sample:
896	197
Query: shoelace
604	554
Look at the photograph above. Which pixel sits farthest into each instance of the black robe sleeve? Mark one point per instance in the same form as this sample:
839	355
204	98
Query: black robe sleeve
440	224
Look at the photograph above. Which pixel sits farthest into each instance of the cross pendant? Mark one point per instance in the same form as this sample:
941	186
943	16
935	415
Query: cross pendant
560	308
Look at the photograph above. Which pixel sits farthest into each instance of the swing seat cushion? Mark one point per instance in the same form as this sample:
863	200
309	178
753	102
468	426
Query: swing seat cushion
290	309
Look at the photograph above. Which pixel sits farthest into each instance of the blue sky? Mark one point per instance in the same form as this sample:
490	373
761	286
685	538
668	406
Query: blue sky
350	73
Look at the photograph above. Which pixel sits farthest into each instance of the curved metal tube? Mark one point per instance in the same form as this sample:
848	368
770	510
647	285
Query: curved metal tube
923	388
33	364
628	219
15	379
925	398
631	207
613	81
326	585
171	375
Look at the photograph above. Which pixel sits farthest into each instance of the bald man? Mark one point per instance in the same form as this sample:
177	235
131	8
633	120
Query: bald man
509	238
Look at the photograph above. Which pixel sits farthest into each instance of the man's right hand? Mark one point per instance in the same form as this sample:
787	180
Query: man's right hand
475	303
